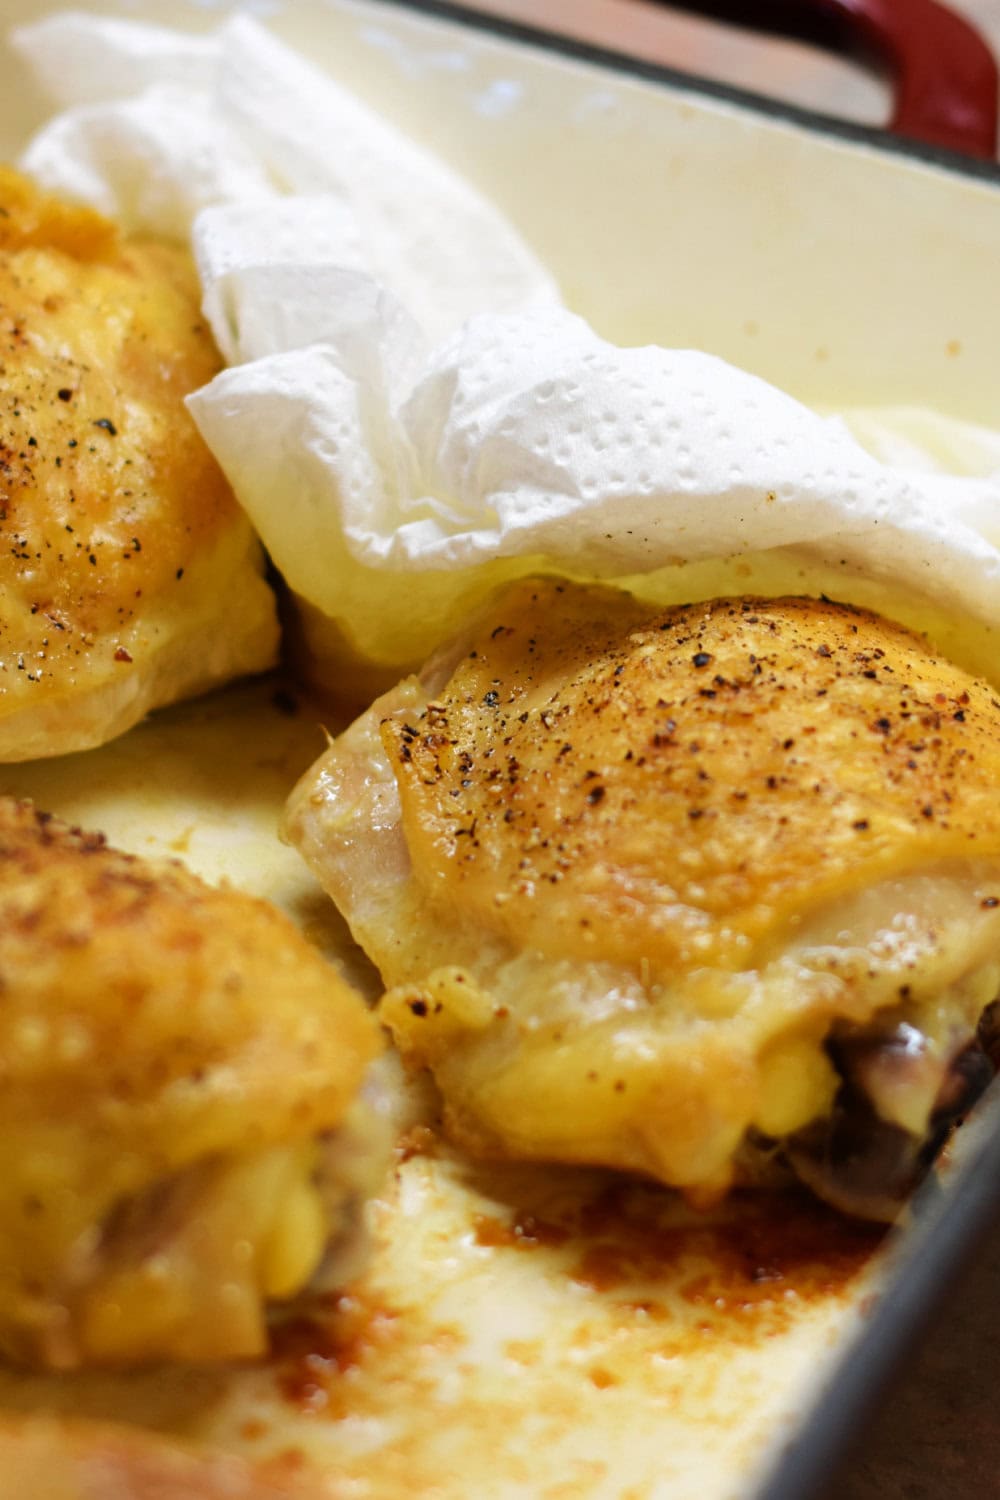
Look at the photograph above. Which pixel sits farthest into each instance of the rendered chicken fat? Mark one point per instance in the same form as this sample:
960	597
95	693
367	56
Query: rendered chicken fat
663	891
186	1132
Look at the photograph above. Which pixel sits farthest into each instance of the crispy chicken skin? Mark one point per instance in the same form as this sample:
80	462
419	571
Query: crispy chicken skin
129	576
683	892
183	1136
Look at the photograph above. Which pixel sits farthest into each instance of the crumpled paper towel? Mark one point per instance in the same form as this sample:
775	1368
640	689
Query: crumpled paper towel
409	414
183	122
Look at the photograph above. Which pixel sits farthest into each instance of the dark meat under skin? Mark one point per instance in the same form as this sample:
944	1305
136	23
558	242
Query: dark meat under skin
866	1166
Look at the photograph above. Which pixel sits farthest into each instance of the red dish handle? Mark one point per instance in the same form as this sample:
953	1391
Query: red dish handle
944	74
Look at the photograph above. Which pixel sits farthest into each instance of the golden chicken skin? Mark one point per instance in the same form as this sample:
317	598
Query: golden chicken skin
129	576
187	1123
708	893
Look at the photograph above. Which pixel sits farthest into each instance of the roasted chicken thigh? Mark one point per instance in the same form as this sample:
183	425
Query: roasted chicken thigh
187	1128
129	576
704	893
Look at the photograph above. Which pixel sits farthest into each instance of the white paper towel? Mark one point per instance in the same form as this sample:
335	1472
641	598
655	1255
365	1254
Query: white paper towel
238	118
409	412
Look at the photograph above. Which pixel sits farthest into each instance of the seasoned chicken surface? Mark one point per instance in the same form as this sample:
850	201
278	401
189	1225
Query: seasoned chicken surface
186	1123
129	576
688	893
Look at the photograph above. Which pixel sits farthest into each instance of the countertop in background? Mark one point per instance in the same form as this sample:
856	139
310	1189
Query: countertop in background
793	71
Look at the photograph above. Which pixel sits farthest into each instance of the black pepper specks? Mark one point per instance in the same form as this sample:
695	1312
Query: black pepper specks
814	727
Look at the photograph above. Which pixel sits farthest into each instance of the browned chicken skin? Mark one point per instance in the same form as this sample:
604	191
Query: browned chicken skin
183	1138
129	576
637	882
610	759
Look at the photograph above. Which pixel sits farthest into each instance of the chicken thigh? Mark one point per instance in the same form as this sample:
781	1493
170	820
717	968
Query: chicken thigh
188	1128
129	576
704	894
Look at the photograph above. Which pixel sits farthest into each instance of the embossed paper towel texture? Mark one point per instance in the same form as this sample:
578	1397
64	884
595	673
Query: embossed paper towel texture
409	413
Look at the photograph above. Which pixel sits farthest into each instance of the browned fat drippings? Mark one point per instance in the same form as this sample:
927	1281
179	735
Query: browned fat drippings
758	1265
524	1232
418	1140
666	1285
784	1234
311	1353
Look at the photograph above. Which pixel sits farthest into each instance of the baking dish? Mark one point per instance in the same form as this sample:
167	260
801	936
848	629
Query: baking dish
795	248
790	247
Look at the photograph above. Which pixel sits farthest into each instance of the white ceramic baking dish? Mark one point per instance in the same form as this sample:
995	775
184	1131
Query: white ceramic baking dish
849	267
846	265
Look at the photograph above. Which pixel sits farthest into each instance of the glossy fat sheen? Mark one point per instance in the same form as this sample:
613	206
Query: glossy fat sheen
683	785
129	576
162	1044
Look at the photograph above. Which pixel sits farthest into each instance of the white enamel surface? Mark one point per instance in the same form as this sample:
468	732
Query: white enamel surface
835	273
